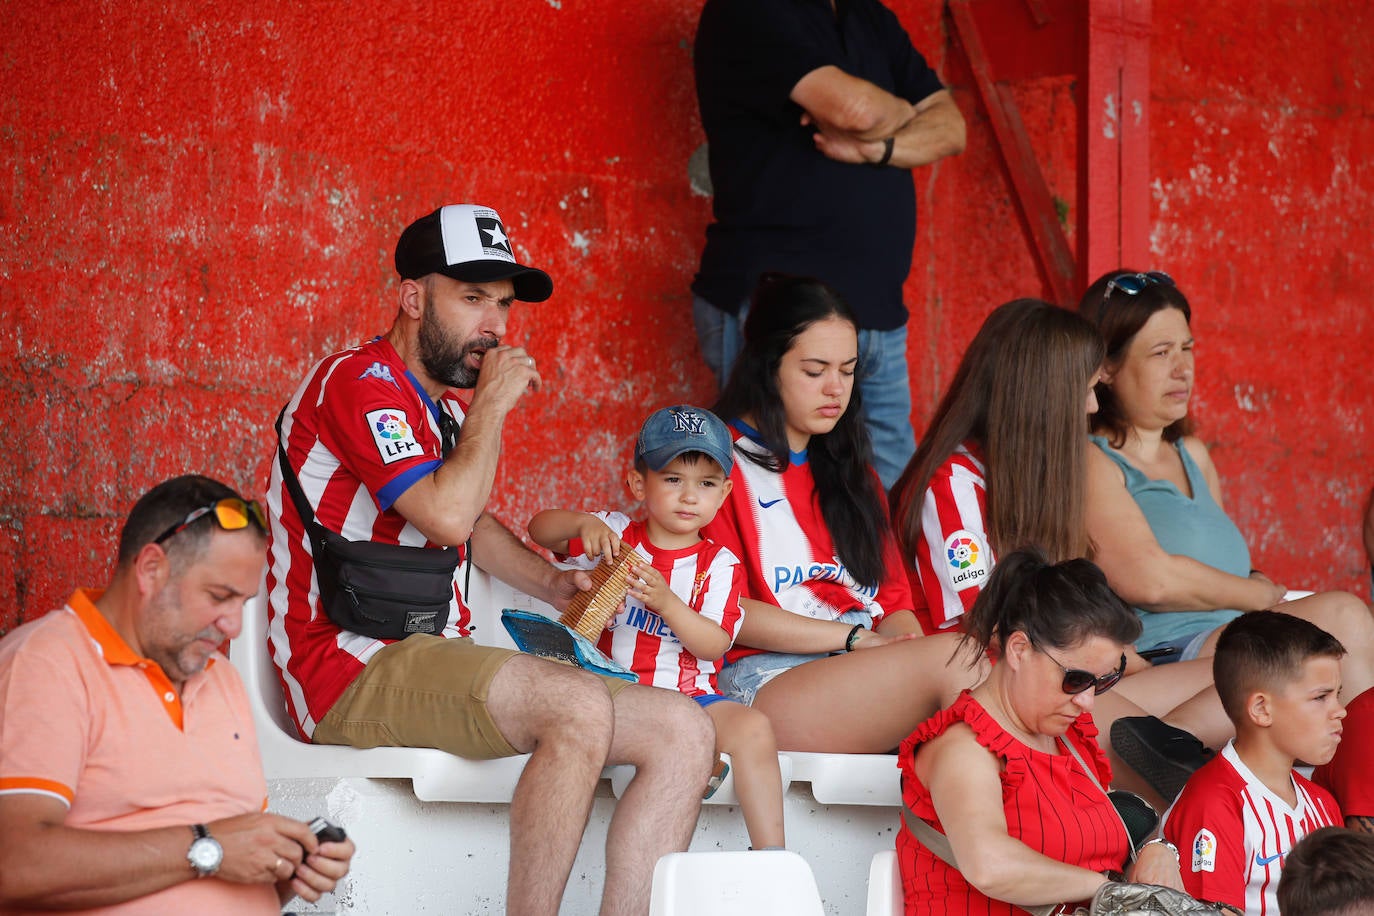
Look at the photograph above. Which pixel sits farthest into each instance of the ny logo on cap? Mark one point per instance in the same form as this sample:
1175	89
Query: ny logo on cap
687	422
493	235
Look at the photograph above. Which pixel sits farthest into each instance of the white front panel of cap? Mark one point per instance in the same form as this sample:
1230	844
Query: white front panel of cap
473	234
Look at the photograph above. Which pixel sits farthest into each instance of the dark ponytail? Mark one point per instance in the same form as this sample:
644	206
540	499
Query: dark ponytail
1056	606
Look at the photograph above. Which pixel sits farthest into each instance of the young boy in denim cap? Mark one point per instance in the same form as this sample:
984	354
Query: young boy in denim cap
1279	679
682	610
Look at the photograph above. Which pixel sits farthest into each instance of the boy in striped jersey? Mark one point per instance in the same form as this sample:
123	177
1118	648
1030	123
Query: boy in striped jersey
682	611
1239	816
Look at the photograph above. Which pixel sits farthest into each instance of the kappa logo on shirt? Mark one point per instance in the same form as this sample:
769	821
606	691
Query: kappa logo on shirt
1204	851
380	370
392	435
969	559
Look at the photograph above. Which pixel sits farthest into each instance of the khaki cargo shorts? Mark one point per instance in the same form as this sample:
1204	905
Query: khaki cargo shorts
425	691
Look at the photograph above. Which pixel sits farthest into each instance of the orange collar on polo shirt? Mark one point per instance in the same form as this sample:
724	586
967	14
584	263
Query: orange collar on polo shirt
116	651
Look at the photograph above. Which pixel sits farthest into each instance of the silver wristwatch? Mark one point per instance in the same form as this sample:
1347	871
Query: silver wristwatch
1166	844
205	854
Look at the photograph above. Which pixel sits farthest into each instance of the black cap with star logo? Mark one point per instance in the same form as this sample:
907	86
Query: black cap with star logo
467	242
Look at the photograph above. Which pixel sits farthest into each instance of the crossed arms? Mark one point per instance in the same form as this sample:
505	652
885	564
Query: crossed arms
854	118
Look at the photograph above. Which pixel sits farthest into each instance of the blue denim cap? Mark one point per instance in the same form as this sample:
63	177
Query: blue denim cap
674	431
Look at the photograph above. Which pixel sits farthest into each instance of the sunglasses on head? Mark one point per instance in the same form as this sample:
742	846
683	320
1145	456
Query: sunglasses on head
1134	284
1076	680
230	513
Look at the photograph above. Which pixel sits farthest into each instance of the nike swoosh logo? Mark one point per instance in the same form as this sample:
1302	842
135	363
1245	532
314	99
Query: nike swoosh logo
1265	860
771	502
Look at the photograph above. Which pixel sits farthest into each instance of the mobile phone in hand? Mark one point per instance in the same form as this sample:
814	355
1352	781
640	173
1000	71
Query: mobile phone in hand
326	832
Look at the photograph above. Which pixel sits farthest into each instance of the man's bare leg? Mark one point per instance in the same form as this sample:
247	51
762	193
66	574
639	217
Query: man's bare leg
671	743
564	719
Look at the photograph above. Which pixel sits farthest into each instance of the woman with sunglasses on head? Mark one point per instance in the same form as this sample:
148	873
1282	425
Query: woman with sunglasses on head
828	646
1010	774
1155	514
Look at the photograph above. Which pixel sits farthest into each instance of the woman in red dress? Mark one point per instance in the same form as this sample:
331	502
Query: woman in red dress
1058	637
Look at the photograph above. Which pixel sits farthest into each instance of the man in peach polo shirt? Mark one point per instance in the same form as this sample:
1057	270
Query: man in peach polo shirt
129	772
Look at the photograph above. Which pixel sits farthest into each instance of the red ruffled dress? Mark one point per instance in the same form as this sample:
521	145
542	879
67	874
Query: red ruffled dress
1051	805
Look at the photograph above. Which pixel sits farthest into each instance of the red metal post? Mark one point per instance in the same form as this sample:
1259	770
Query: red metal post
1104	44
1114	144
1032	192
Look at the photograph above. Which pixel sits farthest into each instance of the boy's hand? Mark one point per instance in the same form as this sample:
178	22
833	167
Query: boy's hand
598	539
648	586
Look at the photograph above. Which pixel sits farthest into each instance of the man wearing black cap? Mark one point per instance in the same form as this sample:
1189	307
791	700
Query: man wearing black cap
385	451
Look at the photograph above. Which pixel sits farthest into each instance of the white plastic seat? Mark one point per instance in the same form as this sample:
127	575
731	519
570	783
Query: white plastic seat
734	884
435	775
849	779
884	885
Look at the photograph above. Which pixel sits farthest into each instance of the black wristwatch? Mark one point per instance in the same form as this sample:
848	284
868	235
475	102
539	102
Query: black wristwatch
205	854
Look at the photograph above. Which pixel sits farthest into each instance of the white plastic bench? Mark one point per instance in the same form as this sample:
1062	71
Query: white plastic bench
849	779
435	775
840	779
459	805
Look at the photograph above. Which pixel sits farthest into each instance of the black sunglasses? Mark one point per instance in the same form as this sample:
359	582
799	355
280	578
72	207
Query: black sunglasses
1134	284
231	514
1076	680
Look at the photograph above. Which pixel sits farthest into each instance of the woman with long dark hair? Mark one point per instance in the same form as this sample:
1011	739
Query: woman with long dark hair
828	646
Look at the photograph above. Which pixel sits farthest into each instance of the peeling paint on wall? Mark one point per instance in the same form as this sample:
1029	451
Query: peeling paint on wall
205	202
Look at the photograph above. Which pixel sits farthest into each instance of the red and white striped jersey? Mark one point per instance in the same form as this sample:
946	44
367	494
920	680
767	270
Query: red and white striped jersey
1232	833
706	576
953	558
359	432
773	523
1347	775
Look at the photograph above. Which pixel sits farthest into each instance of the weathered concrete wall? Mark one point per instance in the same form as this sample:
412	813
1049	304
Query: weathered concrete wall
197	201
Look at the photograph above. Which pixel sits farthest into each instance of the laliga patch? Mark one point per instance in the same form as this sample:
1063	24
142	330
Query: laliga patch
969	559
392	434
1204	851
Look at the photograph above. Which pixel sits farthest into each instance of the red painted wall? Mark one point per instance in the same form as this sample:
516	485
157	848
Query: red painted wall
199	200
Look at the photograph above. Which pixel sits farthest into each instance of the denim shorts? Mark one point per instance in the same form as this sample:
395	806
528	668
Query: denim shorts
742	680
1188	646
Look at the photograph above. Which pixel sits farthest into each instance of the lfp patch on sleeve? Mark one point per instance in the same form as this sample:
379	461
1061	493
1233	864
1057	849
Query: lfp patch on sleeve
1204	851
969	559
393	435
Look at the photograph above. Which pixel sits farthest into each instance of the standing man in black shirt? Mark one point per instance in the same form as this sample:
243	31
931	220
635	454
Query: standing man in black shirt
815	112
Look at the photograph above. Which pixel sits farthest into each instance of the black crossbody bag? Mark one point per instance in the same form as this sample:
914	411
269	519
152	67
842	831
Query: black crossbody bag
386	591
